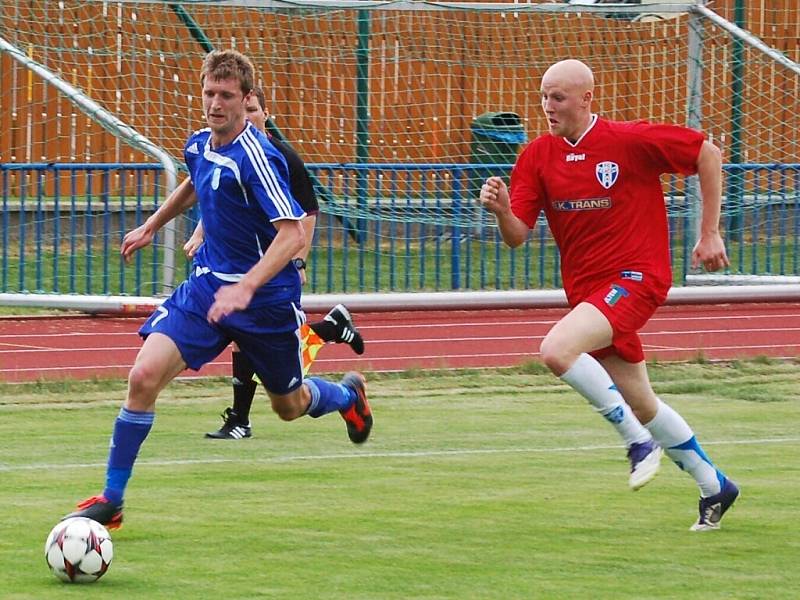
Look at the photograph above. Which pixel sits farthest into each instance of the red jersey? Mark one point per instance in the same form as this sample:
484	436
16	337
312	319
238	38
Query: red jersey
603	199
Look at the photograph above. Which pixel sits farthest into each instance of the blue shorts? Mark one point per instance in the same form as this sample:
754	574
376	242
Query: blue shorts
268	335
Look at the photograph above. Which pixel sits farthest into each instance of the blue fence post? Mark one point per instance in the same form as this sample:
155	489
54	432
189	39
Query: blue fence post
56	228
89	230
138	258
154	260
377	244
796	211
106	230
39	229
455	246
23	192
73	231
122	229
392	233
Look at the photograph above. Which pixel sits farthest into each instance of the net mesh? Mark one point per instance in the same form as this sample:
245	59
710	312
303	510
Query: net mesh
418	94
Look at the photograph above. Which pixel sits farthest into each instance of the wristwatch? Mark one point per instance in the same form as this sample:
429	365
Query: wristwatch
299	263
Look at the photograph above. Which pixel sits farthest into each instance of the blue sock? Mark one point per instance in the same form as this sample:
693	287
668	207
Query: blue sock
327	397
130	430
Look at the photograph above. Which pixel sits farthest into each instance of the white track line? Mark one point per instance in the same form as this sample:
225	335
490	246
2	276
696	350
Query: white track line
20	349
351	455
501	323
67	350
68	333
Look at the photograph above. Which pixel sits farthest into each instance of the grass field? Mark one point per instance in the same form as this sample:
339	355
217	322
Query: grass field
475	484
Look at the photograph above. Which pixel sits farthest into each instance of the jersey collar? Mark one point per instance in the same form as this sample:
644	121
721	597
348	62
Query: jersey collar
583	135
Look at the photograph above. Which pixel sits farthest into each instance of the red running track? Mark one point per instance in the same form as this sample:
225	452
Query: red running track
34	348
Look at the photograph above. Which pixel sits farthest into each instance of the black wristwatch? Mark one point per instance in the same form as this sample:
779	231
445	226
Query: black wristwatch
299	263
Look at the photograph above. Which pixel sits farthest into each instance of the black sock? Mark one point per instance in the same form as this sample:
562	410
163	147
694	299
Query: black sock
324	329
244	388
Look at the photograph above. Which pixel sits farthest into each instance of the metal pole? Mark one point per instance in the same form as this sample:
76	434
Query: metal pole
362	115
197	33
116	126
736	185
694	119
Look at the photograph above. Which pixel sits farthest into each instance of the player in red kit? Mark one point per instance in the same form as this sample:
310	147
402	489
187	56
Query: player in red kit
597	182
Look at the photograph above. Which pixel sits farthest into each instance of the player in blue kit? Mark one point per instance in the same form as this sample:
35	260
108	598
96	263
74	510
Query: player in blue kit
244	287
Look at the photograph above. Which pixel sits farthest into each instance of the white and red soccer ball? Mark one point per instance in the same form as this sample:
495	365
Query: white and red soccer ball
78	550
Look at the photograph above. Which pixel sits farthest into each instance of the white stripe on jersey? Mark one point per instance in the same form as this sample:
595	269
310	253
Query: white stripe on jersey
258	245
229	277
265	173
299	315
224	161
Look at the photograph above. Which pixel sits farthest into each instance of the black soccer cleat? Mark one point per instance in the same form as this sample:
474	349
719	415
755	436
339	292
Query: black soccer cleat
232	428
346	331
359	416
99	509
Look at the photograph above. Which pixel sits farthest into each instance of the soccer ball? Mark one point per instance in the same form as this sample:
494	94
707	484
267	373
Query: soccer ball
78	550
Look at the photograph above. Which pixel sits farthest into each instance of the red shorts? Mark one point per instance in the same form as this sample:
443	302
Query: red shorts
627	302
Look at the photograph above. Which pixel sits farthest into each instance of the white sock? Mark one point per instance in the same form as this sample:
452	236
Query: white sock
676	437
592	381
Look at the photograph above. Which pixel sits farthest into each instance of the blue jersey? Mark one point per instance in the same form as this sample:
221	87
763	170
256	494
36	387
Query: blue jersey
242	188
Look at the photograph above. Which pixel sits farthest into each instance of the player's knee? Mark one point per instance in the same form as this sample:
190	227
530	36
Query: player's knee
286	408
143	385
555	357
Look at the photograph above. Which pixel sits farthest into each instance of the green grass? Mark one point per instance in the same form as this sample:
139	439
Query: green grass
475	484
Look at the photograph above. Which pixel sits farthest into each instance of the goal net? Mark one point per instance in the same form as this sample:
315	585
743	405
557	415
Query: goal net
400	109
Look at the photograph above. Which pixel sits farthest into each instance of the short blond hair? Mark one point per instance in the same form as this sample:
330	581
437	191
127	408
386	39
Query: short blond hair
229	64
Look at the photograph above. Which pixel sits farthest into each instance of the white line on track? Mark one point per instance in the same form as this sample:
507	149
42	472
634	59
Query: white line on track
67	332
449	323
394	342
73	349
351	455
25	348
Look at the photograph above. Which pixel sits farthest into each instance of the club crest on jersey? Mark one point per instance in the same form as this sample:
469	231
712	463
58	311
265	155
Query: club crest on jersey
607	173
215	178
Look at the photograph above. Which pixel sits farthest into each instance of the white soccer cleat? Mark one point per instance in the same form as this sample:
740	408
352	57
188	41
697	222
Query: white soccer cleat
645	461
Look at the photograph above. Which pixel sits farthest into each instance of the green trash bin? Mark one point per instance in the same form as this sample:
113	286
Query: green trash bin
496	139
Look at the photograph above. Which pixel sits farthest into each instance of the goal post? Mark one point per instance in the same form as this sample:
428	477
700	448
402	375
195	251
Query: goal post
399	108
115	127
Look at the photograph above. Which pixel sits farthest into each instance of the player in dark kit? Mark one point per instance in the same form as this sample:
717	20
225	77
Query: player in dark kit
597	182
337	326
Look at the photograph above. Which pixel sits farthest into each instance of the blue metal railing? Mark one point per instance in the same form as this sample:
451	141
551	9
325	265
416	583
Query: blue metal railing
382	227
66	221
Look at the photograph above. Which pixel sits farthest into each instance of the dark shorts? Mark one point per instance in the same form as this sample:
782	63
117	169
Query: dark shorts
267	335
627	302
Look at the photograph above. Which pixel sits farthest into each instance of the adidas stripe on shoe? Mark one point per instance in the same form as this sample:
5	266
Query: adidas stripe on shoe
346	331
232	428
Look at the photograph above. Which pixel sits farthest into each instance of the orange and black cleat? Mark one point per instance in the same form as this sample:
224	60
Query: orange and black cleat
99	509
359	416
